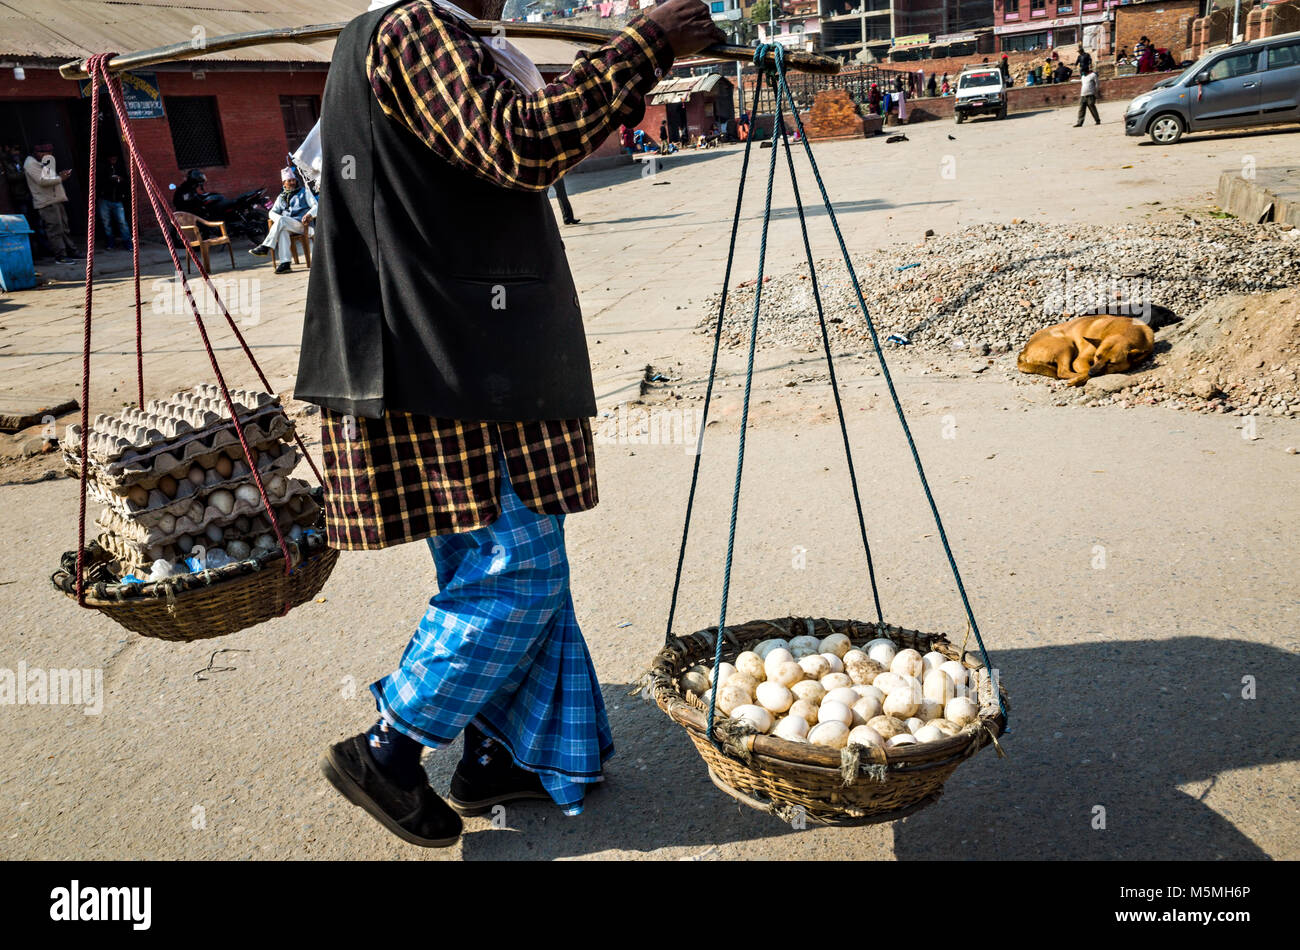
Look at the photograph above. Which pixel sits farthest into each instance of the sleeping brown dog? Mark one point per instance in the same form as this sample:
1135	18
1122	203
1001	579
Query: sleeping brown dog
1087	346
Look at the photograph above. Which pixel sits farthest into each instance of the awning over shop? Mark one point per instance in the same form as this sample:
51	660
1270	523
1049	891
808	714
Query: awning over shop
679	90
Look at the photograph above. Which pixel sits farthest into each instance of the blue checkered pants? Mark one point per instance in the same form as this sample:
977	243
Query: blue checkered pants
500	646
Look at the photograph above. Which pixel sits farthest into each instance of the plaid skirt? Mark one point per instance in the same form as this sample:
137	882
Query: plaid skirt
500	646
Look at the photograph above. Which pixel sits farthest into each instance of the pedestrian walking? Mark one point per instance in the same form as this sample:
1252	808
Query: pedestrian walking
1088	98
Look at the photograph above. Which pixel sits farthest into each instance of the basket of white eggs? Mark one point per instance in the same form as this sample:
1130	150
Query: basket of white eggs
833	721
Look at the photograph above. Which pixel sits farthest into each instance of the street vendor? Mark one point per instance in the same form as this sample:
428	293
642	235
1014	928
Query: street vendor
444	343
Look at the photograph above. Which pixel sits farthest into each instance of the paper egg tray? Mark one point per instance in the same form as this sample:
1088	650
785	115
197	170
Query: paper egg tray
273	458
145	528
149	464
133	558
185	415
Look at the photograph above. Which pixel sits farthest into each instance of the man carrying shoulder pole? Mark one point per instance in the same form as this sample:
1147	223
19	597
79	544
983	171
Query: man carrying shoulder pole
444	343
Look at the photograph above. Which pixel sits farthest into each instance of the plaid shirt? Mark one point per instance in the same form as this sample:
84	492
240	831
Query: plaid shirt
405	477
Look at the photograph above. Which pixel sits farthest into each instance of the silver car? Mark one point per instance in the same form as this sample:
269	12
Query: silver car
1246	84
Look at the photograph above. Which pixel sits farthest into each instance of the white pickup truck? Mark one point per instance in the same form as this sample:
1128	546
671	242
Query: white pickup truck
980	91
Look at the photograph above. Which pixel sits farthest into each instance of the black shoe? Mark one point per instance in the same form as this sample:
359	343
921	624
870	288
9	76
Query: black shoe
478	785
414	813
283	267
1078	125
260	251
572	220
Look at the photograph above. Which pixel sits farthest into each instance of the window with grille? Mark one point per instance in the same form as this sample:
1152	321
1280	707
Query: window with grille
196	131
300	114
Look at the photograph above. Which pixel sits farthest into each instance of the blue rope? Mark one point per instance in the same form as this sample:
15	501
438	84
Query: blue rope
749	381
782	93
889	382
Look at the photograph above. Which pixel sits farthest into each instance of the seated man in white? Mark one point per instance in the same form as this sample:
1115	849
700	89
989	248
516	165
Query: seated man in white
293	213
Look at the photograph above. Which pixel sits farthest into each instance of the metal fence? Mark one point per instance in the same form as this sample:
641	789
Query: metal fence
804	87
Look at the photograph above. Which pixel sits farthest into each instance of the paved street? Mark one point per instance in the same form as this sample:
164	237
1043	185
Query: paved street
1126	679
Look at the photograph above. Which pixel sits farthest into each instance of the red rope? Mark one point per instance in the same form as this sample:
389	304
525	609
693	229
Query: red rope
94	63
97	69
135	267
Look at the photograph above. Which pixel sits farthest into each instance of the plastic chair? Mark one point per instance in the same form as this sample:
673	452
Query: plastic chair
296	241
193	236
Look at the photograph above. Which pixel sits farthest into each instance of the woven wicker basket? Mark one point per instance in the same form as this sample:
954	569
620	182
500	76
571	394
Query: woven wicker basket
794	780
208	604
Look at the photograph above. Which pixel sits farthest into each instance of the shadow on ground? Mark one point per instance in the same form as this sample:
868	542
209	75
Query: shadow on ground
1120	725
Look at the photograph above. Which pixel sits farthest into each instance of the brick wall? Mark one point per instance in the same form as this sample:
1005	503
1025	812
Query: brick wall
1273	19
1168	23
832	116
1030	98
248	106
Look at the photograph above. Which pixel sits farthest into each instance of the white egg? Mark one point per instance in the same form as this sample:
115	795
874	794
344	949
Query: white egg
938	687
804	710
961	710
792	729
804	641
866	736
744	681
836	664
871	692
928	734
913	724
842	694
731	696
775	658
866	709
837	643
888	682
694	682
932	661
834	712
887	726
809	690
719	675
861	668
835	681
814	667
946	726
767	646
903	738
854	654
752	665
882	651
223	501
774	697
901	703
956	672
929	710
787	674
759	717
907	663
833	735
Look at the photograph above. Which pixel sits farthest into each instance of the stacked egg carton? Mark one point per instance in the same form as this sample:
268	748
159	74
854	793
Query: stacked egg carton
177	491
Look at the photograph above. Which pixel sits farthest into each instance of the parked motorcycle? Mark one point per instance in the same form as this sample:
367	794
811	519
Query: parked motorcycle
245	216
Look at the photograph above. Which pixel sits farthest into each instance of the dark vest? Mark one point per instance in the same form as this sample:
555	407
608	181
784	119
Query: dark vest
432	291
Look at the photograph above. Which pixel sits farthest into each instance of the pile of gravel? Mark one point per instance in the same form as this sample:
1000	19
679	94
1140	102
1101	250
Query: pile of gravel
990	286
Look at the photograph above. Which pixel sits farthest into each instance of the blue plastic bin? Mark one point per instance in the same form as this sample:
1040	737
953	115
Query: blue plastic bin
16	270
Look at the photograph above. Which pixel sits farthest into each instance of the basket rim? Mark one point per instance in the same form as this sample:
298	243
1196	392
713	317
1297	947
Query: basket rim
668	664
262	567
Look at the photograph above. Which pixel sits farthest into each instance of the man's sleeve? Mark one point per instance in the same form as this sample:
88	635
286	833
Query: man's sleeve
433	75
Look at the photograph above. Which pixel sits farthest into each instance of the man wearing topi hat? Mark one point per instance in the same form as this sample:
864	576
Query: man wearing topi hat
444	342
293	212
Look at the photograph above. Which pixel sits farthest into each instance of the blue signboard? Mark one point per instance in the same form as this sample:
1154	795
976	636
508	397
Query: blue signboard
139	92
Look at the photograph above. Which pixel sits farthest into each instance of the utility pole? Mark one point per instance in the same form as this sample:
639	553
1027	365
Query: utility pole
1236	20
